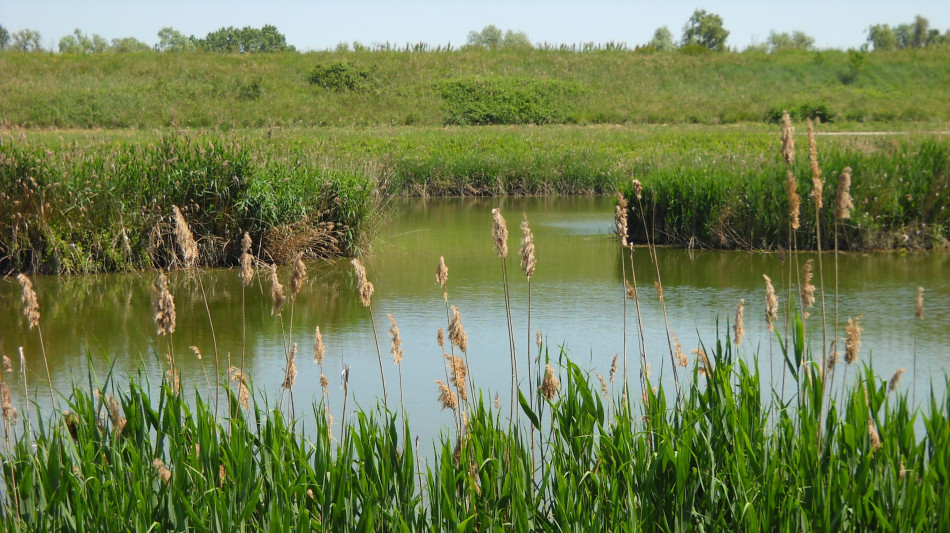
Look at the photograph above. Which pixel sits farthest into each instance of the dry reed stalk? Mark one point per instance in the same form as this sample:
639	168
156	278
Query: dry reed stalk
197	352
817	183
550	385
290	372
873	437
500	237
919	304
739	327
345	377
528	264
442	272
324	384
771	303
440	338
246	275
681	359
895	380
26	390
171	375
396	350
447	398
852	341
31	309
621	219
457	334
365	289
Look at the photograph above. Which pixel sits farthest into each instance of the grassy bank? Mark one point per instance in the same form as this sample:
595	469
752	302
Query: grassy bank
101	206
838	448
203	90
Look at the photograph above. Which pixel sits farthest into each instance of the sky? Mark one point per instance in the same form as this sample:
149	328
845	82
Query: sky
320	25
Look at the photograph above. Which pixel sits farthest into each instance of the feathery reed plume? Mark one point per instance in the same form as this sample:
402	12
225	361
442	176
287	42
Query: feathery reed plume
739	327
702	362
247	261
808	290
681	359
603	385
788	141
528	262
324	383
457	334
319	350
163	472
458	373
31	307
550	385
276	292
447	398
537	338
621	218
659	290
873	436
442	272
396	346
244	393
9	412
794	200
7	364
919	304
497	401
816	182
771	303
118	421
186	240
164	307
499	233
290	373
852	341
298	276
895	380
196	351
637	189
613	368
171	375
440	338
843	201
363	286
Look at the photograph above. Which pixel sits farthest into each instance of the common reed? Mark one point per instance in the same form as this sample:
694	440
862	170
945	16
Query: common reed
365	289
246	275
738	327
31	310
528	265
499	232
918	316
395	348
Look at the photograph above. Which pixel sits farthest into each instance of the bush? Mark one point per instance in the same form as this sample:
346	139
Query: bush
813	110
479	101
341	76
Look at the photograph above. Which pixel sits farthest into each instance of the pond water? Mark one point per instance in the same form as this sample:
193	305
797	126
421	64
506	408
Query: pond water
98	323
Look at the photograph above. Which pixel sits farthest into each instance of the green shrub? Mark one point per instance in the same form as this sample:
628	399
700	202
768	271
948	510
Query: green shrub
479	101
342	76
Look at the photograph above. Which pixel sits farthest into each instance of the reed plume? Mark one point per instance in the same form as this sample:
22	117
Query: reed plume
702	362
603	385
319	350
918	315
791	184
771	303
621	219
276	292
681	359
365	289
447	398
298	276
457	334
324	384
637	189
247	261
9	412
613	368
550	385
499	233
739	327
873	437
441	272
172	375
895	380
788	139
852	340
808	289
528	261
457	375
290	373
817	184
118	421
31	307
244	393
186	240
163	472
440	338
843	200
396	345
919	304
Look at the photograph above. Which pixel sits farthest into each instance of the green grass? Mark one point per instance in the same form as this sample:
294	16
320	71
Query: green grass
205	90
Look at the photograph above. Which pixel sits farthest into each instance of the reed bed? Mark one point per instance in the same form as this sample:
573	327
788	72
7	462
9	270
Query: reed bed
725	453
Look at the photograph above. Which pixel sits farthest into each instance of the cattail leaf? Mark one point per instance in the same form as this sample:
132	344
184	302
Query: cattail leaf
527	409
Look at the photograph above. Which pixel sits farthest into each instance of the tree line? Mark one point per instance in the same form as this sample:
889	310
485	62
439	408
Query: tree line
703	31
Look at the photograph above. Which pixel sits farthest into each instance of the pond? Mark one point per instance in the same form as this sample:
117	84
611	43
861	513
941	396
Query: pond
102	323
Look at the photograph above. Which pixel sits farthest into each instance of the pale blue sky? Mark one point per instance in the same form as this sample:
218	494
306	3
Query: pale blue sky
319	25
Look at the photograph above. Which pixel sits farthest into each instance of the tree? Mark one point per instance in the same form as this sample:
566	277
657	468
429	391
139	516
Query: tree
4	38
516	39
662	40
172	40
27	40
490	37
80	43
882	37
920	31
129	44
797	40
245	40
705	29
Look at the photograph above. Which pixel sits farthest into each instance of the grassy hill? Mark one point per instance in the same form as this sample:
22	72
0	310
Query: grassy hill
205	90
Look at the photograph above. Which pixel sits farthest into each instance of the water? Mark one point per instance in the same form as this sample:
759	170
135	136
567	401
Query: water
102	323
